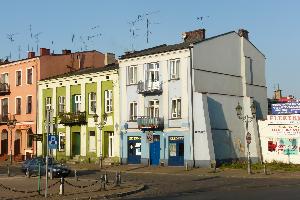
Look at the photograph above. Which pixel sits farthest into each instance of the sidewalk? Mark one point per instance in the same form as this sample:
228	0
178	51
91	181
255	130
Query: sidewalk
26	188
225	172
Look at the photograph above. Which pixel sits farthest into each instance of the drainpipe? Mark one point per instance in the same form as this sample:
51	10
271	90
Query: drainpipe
192	101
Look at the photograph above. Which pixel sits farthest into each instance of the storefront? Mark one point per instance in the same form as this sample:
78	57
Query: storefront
176	151
134	149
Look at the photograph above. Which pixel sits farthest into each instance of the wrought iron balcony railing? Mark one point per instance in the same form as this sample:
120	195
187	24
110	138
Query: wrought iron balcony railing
4	89
150	123
149	87
73	118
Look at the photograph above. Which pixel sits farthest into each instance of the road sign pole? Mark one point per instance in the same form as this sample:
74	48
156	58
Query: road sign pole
49	127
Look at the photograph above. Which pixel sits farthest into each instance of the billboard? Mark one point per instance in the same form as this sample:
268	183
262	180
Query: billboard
283	119
286	108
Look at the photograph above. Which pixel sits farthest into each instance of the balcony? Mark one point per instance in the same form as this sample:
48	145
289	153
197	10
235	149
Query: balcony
4	89
72	119
150	123
149	87
3	119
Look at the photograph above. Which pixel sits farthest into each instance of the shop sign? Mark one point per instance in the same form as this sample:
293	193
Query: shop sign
283	119
286	108
37	137
134	138
173	138
288	130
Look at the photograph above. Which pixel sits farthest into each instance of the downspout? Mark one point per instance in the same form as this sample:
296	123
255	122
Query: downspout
192	101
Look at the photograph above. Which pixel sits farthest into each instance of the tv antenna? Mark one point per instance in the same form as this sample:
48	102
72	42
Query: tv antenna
19	50
95	27
85	46
148	22
37	40
93	36
11	36
202	19
30	30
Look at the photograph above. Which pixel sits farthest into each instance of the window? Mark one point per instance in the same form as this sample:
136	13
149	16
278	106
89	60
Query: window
111	144
176	108
61	104
18	78
18	106
152	74
132	111
29	105
153	108
62	141
29	76
132	75
4	78
4	109
92	102
29	140
92	141
174	68
108	101
76	103
48	104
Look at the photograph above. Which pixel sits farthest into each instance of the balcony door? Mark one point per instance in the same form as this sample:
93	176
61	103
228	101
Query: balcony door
4	109
152	76
153	109
76	103
4	82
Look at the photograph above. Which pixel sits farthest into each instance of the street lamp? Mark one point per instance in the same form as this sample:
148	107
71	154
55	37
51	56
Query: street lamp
11	124
247	119
100	126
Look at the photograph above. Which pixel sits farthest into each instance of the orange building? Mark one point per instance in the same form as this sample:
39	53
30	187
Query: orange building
18	94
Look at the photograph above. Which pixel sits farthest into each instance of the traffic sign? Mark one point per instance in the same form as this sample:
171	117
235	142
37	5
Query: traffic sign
149	136
248	138
52	142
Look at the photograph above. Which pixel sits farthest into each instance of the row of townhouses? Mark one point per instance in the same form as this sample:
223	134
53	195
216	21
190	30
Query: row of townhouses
183	95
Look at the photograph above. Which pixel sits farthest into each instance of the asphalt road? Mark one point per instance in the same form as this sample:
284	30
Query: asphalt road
168	186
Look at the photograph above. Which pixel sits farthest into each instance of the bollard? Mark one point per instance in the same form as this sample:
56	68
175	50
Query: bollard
186	166
105	177
51	173
27	173
8	171
102	182
75	175
265	169
39	179
62	186
119	178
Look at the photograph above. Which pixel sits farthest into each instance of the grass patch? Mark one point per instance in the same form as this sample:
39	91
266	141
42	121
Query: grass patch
280	166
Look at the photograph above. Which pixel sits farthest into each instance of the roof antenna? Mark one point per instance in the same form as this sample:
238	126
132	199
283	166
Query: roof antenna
10	36
202	19
19	50
148	32
37	40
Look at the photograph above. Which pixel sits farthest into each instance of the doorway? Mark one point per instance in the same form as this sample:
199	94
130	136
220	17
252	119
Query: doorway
4	142
155	150
75	143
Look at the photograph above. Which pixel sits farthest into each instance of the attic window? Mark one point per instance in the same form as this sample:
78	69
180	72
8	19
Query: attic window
90	79
60	83
107	77
46	85
75	81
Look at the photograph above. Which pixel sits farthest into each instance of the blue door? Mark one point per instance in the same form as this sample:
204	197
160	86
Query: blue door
176	151
155	150
134	149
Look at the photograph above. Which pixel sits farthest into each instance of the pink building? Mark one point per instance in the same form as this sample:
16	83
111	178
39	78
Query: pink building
18	94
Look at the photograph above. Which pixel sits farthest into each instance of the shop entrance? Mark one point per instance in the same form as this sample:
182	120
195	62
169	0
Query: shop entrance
176	151
134	149
155	150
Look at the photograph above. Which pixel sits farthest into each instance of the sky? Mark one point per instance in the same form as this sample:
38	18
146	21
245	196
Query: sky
105	26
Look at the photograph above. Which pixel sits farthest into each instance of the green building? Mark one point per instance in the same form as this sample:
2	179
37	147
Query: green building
85	106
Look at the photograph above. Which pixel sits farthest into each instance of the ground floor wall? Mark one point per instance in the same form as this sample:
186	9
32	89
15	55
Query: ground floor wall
168	148
18	141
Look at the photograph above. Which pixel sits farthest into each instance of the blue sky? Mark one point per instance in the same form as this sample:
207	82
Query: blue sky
273	26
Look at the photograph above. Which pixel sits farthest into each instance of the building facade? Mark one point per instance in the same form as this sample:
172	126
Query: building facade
75	98
18	95
185	95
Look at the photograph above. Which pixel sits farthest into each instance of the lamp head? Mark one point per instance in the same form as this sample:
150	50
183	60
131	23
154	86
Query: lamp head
238	110
95	116
253	109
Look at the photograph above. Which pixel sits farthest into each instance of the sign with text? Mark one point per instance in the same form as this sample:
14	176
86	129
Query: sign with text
285	130
283	119
52	142
37	137
286	108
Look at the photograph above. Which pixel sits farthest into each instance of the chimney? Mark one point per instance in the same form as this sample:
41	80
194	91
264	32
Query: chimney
193	36
44	51
243	33
109	58
66	51
31	54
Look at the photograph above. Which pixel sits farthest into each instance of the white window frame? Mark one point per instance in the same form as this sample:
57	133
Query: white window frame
48	103
154	71
174	68
61	104
132	75
18	97
153	108
111	144
27	104
108	101
77	102
133	111
7	77
17	77
91	110
92	146
176	111
31	76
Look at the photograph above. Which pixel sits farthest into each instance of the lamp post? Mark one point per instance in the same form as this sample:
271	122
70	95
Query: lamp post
11	124
100	126
247	119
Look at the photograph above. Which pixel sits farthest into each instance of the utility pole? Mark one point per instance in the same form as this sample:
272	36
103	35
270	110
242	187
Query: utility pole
49	129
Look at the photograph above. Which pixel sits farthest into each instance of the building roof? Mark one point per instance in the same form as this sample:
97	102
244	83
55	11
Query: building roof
166	48
88	70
